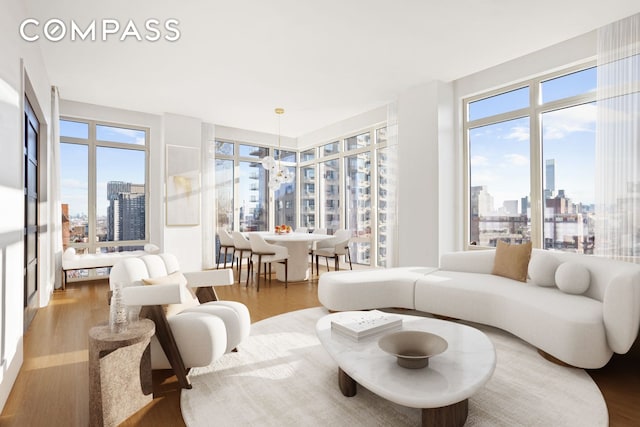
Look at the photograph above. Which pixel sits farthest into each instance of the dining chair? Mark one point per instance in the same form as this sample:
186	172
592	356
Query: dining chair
302	230
226	242
314	245
263	252
337	246
243	249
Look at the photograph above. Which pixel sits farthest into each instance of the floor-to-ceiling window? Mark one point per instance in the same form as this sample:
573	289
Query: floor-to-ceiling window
285	205
358	204
346	186
103	186
308	189
383	203
530	162
334	188
329	195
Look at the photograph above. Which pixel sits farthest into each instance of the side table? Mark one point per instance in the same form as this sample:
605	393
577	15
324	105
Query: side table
120	380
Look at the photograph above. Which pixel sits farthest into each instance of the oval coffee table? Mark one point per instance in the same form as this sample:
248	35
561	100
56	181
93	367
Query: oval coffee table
441	390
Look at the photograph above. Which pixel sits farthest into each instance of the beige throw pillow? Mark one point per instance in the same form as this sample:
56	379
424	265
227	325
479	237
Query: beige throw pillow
512	261
176	277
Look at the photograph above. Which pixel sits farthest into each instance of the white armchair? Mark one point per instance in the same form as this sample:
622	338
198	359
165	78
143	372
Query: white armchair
193	328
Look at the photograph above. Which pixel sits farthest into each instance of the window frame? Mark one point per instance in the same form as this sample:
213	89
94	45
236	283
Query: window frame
92	245
534	112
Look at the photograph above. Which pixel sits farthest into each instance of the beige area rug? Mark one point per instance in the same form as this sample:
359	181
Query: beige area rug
283	377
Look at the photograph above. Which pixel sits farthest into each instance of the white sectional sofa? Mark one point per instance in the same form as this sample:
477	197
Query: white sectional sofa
580	327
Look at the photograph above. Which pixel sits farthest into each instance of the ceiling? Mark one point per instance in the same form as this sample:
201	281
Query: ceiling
235	61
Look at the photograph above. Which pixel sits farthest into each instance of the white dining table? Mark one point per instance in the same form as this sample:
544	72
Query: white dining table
298	246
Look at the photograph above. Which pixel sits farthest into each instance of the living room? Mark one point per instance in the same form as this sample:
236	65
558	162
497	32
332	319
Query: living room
426	109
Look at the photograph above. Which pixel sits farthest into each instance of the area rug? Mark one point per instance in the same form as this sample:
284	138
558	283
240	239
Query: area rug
282	376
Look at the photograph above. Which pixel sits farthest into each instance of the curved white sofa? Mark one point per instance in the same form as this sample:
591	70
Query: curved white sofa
583	330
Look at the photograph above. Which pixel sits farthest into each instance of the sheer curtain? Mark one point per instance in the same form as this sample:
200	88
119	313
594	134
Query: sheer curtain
208	196
55	198
392	174
617	233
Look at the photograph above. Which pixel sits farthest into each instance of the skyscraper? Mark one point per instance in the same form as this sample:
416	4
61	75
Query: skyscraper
550	181
126	211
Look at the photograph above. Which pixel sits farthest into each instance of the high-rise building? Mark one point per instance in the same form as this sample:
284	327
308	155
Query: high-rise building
510	207
126	211
550	181
481	201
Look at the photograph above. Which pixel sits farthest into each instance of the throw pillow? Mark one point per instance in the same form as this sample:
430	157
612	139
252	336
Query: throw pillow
542	269
173	278
512	261
573	278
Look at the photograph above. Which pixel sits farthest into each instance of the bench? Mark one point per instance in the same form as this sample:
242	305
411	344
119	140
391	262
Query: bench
71	260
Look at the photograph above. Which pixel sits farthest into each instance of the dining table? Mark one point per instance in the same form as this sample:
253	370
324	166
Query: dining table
298	246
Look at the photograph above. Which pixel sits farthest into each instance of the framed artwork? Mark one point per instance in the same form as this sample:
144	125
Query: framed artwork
183	185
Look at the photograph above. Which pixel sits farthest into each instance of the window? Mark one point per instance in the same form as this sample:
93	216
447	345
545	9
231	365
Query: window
253	197
308	196
330	149
383	205
103	186
308	155
568	149
531	166
224	193
499	181
334	189
285	201
329	195
358	141
357	173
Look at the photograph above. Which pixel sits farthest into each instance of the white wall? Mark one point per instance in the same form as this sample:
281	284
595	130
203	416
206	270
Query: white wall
183	241
11	186
425	144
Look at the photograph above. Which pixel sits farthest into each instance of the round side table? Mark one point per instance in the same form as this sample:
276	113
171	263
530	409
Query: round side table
120	380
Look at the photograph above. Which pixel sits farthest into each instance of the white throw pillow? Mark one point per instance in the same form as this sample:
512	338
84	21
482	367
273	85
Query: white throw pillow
572	278
542	269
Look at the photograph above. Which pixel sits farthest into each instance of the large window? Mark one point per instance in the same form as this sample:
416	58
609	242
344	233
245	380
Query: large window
103	186
348	187
499	182
530	162
329	195
334	188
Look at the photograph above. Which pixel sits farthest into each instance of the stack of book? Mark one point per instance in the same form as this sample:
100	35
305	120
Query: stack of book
362	324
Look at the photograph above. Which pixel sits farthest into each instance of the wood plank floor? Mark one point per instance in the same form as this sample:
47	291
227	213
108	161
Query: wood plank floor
52	387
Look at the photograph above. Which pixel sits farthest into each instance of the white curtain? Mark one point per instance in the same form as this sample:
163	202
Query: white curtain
618	141
392	178
208	196
55	201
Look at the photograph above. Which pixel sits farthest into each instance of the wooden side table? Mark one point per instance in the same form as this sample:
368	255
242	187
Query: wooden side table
120	380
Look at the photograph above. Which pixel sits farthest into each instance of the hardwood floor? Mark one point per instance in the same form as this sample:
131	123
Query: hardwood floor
52	387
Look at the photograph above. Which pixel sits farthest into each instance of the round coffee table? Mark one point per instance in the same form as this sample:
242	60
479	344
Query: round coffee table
441	390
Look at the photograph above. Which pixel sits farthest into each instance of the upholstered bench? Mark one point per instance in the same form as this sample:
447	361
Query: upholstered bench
71	260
